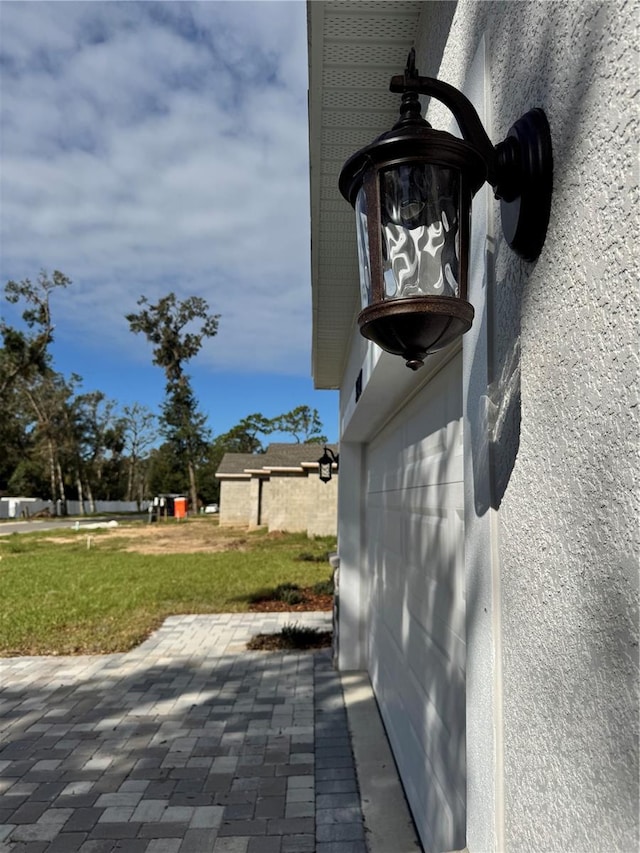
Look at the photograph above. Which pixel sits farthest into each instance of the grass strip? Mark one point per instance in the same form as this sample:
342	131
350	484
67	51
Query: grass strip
65	598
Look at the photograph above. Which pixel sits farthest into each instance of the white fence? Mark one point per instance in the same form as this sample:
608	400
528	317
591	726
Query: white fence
22	507
75	508
28	507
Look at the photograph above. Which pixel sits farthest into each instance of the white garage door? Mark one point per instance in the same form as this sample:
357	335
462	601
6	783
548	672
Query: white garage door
415	538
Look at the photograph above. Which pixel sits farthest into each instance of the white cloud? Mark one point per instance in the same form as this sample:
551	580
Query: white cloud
153	147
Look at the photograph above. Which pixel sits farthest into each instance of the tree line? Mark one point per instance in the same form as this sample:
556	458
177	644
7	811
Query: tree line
60	442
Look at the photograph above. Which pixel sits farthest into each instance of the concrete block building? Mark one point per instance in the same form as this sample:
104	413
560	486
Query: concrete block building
279	489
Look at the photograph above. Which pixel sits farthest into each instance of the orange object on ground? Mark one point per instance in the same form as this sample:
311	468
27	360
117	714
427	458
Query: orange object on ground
180	507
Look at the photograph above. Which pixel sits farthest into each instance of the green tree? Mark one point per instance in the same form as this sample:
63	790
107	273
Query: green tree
16	440
48	397
303	423
186	431
97	441
139	430
55	439
243	437
24	360
168	326
24	353
165	471
28	478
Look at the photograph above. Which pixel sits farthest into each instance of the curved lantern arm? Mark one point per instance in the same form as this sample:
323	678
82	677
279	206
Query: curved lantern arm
508	162
460	106
330	456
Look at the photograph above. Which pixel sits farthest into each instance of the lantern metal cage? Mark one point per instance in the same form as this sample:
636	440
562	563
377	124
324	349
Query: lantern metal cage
326	463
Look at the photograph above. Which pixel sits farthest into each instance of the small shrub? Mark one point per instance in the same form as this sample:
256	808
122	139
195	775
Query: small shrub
293	637
288	592
324	587
307	557
299	637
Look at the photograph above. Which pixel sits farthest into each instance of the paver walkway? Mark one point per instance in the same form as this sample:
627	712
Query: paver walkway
187	744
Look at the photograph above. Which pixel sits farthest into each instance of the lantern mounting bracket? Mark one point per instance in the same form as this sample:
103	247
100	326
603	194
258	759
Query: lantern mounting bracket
519	168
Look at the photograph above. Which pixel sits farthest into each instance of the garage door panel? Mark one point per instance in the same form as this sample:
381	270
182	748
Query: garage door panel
432	584
407	757
424	466
436	659
437	668
437	607
441	648
441	499
442	740
441	758
417	652
389	522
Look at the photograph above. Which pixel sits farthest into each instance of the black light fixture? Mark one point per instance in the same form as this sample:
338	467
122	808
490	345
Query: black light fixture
411	190
326	462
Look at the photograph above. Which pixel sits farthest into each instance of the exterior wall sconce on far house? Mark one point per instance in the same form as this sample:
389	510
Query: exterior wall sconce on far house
326	463
412	189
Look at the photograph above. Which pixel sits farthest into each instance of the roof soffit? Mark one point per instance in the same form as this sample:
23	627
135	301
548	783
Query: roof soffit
354	50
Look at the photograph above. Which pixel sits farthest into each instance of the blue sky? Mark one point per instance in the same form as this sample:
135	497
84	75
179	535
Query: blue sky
149	147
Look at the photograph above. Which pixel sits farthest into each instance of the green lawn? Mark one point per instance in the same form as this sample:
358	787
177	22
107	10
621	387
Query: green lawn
62	598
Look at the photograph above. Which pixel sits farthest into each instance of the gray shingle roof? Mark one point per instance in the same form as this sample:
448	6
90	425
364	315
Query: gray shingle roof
235	463
278	455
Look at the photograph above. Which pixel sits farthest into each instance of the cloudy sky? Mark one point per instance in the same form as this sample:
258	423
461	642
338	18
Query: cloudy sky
149	147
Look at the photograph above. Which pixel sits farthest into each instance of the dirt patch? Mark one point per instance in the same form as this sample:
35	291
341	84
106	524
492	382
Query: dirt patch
310	601
161	544
170	537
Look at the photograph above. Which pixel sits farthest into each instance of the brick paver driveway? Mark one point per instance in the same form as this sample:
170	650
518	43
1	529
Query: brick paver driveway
187	744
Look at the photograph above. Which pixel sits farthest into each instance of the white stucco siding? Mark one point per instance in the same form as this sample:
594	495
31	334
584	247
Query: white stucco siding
563	432
549	380
414	531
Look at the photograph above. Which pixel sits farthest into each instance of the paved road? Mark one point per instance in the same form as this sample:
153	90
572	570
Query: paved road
36	524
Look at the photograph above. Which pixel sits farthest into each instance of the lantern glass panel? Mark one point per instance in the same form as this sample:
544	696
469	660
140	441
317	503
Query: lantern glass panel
363	247
325	471
420	222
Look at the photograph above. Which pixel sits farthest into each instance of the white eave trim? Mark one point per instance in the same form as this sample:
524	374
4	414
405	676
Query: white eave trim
354	48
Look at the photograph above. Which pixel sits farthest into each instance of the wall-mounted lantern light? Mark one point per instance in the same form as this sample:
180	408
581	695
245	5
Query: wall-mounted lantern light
411	190
326	463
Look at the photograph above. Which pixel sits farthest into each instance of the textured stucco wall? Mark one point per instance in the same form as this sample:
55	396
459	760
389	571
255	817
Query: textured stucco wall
563	366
